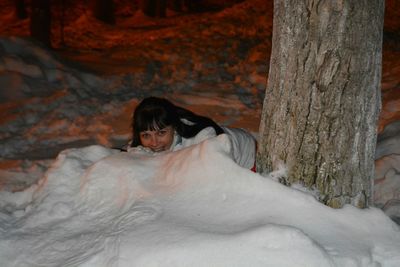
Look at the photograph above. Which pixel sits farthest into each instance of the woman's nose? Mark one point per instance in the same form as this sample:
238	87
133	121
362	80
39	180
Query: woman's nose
154	141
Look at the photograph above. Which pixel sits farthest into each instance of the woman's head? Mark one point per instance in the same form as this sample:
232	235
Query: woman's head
154	123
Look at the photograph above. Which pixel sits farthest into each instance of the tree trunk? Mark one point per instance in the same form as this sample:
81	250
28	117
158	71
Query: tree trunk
161	9
20	9
104	10
40	24
154	8
190	5
148	7
63	6
175	5
322	101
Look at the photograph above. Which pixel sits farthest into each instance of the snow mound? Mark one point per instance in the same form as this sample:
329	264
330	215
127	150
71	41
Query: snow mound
387	179
194	207
29	70
387	169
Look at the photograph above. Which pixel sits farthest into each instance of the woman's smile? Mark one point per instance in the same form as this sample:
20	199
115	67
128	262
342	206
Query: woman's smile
158	140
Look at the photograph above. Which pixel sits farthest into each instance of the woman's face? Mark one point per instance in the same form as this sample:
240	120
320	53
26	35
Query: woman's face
157	140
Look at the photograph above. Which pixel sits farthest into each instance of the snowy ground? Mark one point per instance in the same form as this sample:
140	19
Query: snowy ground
194	207
214	64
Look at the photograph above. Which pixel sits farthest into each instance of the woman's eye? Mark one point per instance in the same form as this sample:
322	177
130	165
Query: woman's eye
144	135
162	132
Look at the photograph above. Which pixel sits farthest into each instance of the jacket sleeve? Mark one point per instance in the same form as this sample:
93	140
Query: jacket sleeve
243	147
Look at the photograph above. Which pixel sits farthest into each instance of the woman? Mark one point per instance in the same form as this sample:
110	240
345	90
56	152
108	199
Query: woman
159	125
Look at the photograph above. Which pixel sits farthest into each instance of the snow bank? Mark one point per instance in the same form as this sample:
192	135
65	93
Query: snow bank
194	207
48	105
387	168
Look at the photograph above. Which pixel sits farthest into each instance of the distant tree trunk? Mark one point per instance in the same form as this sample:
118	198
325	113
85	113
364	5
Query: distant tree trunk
161	9
104	10
191	5
20	9
62	23
40	25
154	8
175	5
148	7
322	101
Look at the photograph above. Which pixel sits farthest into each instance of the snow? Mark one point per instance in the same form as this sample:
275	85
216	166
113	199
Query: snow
195	207
91	205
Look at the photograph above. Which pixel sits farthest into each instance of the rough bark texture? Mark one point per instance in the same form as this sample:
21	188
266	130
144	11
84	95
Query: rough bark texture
323	97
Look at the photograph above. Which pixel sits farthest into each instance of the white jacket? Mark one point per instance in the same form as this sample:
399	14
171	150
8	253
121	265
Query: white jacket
243	144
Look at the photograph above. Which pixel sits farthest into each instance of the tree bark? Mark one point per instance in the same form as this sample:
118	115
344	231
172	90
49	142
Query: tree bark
322	101
40	24
20	9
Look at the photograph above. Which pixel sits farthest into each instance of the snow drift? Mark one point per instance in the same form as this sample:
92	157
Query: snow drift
194	207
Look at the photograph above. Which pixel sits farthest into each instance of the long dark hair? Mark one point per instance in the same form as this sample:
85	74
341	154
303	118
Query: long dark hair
155	113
